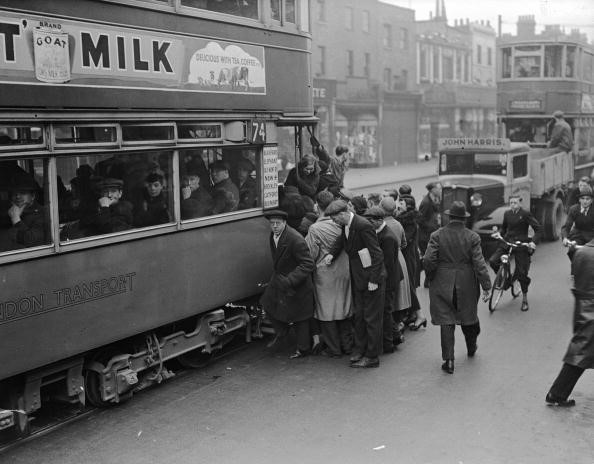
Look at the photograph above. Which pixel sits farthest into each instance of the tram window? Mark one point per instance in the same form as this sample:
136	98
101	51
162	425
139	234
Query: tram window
218	180
244	8
111	193
24	209
191	132
552	60
588	67
527	66
570	62
506	62
148	132
67	134
20	135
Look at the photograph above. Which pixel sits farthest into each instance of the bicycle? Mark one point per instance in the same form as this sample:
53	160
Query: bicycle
505	278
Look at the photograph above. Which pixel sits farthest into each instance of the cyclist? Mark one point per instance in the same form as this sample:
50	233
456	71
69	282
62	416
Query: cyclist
515	228
579	226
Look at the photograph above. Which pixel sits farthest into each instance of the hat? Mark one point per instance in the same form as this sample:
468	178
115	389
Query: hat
218	166
245	165
336	207
585	192
458	209
388	205
195	168
346	194
375	212
110	182
558	114
276	213
24	183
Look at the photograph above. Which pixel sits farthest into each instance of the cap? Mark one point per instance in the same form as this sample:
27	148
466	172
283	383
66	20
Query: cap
110	182
458	209
388	205
375	212
245	165
558	114
345	194
218	166
336	207
585	192
275	213
24	183
359	203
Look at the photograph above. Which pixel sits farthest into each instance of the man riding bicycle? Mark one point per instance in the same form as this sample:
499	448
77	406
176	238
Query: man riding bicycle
515	229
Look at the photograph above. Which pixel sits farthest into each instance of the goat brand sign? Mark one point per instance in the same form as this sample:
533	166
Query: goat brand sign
52	60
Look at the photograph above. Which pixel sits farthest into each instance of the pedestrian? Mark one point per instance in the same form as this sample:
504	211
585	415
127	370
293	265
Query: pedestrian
514	228
339	164
561	136
429	217
455	267
580	353
389	244
579	225
366	264
574	193
332	284
305	176
288	299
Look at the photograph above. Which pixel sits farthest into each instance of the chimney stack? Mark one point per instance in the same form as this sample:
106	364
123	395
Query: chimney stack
526	27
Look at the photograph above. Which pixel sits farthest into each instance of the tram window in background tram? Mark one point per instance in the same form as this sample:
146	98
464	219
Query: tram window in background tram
506	62
24	212
20	135
244	8
552	60
570	61
111	193
218	180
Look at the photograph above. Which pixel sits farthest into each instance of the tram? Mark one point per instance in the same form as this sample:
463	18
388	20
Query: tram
139	147
539	74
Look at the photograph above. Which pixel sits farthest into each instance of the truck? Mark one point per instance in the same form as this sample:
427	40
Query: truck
484	172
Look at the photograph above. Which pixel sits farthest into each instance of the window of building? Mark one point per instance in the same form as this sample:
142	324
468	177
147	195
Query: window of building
403	79
367	67
388	78
436	65
506	62
479	54
458	66
570	61
350	62
489	56
553	55
403	38
24	199
447	63
321	67
349	18
387	37
322	11
244	8
466	67
365	21
424	63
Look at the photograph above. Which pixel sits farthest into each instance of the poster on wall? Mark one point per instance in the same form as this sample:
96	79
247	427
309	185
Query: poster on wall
270	164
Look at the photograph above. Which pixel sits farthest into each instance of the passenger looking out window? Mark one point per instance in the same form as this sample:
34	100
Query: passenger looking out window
111	214
225	193
153	207
248	191
195	200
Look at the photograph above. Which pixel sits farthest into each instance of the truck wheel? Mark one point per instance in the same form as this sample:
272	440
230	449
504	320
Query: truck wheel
554	218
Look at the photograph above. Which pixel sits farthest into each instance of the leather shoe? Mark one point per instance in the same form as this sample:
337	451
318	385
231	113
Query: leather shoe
329	354
355	358
553	400
524	305
388	349
472	350
366	362
448	366
298	354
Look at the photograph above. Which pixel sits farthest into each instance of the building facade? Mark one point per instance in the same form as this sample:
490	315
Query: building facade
364	67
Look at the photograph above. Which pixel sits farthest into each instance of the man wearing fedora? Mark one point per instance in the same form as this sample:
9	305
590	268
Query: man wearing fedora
289	297
24	223
561	136
455	267
514	228
579	226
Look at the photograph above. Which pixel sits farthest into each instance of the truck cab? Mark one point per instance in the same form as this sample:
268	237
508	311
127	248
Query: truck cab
484	172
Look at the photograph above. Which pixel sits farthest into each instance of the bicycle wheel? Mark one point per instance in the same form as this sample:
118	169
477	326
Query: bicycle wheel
516	289
497	289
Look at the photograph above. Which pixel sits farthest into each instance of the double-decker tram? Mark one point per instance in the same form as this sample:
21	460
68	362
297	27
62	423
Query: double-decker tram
139	143
540	74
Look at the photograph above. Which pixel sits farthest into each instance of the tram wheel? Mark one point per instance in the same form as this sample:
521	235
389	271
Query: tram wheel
93	380
195	359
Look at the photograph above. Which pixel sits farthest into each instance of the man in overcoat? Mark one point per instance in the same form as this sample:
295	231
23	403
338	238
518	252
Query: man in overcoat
580	353
289	298
455	266
579	226
366	264
429	217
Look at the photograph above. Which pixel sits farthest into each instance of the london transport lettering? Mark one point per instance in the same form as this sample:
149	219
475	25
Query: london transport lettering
487	143
32	305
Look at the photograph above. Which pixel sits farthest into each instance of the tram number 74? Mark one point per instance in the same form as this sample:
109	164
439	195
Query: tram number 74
257	131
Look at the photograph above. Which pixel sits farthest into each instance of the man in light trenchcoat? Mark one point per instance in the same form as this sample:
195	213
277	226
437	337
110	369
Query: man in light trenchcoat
455	266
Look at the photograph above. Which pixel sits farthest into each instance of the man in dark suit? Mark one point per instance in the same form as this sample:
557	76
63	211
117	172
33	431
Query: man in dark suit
579	226
289	298
366	263
429	217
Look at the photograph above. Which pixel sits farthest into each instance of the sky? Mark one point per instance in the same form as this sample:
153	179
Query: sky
569	13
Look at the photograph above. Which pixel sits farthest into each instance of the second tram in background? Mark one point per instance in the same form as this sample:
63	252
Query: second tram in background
540	73
139	144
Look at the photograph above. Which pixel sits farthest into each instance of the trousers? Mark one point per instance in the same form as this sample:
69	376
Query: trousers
470	332
302	332
565	381
367	321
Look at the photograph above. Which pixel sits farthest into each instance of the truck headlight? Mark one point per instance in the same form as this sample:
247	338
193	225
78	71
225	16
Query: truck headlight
476	200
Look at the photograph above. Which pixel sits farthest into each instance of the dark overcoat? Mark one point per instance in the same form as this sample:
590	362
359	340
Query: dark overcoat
580	352
289	295
454	261
427	219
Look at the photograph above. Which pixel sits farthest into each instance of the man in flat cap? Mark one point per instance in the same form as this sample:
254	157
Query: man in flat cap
224	192
289	298
195	200
579	226
561	135
366	263
112	214
24	224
